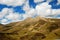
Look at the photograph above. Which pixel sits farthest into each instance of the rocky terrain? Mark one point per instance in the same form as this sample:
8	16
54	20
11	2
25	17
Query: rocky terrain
31	29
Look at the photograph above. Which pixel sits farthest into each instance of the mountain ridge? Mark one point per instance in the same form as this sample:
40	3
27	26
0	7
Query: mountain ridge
38	28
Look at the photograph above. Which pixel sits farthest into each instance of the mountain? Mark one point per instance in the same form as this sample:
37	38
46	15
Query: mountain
38	28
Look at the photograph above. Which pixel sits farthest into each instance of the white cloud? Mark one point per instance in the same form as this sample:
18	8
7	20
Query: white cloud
12	2
12	16
4	21
38	1
55	11
4	12
26	7
29	12
43	9
58	1
8	14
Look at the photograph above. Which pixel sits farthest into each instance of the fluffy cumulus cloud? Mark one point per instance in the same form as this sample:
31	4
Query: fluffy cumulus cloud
7	15
12	2
55	11
29	12
43	9
55	14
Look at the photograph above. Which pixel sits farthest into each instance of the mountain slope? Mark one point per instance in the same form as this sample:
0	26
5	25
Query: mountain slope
31	29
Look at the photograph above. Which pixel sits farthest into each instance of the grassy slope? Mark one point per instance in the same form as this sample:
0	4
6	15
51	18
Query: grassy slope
31	29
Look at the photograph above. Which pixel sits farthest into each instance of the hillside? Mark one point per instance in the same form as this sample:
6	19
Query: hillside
31	29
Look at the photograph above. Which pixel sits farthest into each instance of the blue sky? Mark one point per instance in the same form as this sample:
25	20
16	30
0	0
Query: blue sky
18	9
53	3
